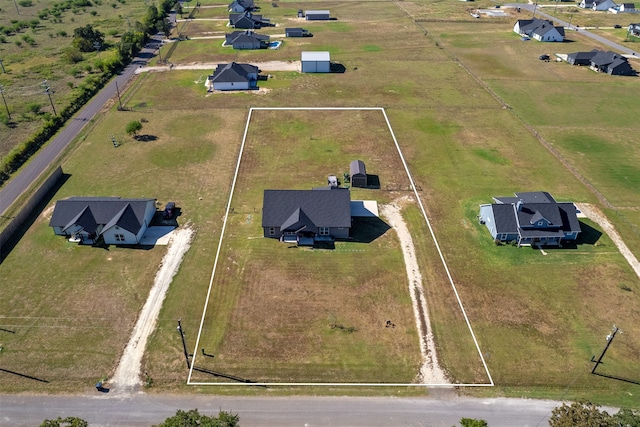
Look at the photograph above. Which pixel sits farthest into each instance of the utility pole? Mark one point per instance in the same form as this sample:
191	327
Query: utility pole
47	91
17	10
5	101
610	338
184	344
2	65
118	92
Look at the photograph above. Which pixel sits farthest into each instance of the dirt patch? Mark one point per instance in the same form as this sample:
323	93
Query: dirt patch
127	376
596	215
430	371
263	66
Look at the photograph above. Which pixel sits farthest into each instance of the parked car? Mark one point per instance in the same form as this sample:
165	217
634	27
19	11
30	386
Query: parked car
168	210
544	57
617	26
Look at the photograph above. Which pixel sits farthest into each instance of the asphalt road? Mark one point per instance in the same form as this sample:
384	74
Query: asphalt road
145	410
21	182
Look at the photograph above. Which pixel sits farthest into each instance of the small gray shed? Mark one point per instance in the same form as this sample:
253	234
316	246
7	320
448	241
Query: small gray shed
358	173
316	62
317	15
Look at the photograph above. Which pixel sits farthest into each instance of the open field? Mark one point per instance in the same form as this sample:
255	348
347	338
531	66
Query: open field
539	318
37	52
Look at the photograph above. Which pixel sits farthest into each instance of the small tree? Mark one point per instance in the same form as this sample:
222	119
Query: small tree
66	422
473	422
583	414
192	418
133	128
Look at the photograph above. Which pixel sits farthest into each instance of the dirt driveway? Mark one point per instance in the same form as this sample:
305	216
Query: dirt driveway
210	66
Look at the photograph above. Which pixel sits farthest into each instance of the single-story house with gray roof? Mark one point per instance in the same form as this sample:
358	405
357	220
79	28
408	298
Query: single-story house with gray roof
246	40
233	76
116	220
634	29
306	215
248	21
530	219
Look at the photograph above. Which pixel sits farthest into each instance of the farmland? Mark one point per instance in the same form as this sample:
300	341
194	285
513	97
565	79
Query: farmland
538	318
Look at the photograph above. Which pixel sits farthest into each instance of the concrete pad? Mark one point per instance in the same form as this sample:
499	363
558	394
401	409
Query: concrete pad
364	208
157	235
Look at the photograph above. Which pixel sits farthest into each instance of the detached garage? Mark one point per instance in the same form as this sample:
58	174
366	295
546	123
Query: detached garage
316	62
317	15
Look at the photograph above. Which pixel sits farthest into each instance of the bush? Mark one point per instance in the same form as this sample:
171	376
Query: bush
25	3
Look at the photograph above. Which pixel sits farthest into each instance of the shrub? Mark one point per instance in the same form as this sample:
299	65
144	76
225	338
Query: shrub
25	3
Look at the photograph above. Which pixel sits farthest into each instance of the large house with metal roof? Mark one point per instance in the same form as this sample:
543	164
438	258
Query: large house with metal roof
115	220
307	216
233	76
530	219
539	29
246	40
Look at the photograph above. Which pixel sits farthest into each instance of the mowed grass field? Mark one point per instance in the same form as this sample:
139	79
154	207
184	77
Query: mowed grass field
538	318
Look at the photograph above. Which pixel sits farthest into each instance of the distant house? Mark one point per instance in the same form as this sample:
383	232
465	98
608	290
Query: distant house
581	58
248	21
114	220
296	32
539	29
586	4
317	15
634	29
603	4
316	62
233	76
611	63
358	173
627	8
530	219
248	39
240	6
306	216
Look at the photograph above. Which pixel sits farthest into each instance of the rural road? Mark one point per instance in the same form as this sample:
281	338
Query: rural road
618	47
147	409
21	181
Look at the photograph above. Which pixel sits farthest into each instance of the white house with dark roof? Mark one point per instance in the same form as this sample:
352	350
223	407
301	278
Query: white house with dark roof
306	216
586	4
240	6
539	29
115	220
233	76
634	29
530	219
603	5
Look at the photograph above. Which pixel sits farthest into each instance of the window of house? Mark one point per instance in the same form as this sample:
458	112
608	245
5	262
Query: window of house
272	231
119	237
323	231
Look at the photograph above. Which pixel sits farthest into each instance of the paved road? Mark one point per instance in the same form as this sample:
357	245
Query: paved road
539	13
145	410
21	182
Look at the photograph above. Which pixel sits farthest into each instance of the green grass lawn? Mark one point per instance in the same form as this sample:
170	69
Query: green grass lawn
538	318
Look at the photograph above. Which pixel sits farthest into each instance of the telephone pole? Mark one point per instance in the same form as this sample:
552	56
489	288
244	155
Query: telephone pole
184	343
47	91
610	338
5	101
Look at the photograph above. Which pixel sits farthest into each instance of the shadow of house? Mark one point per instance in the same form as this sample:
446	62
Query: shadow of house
373	181
337	68
588	235
368	229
